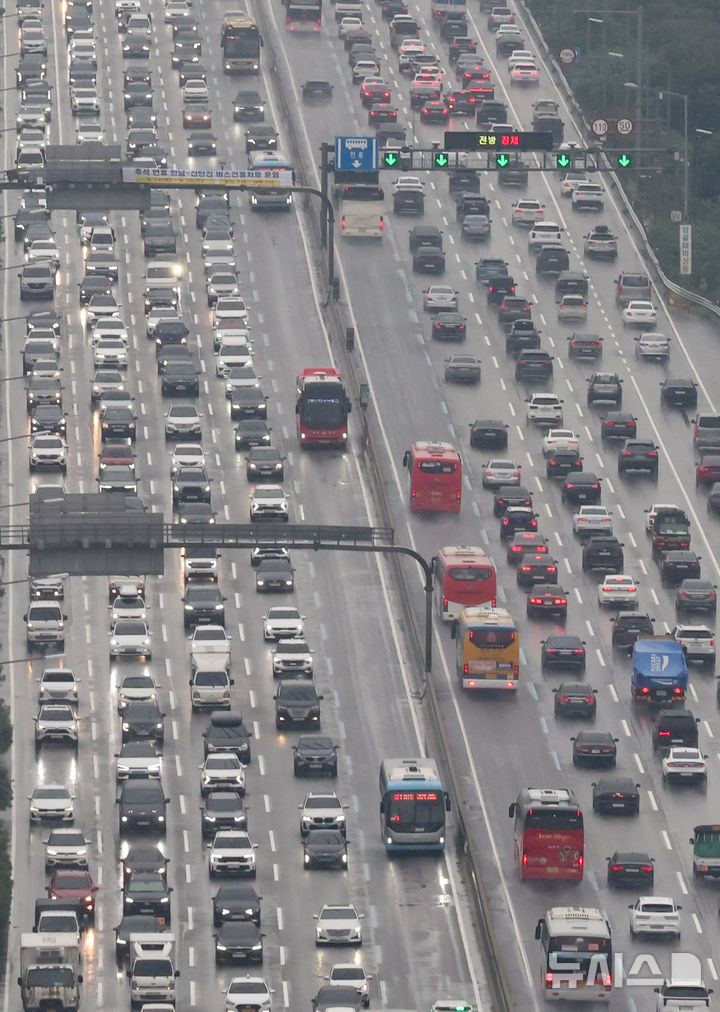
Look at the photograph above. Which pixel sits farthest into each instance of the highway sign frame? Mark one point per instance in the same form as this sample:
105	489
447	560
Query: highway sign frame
356	154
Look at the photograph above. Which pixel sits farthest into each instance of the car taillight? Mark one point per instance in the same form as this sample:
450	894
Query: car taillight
589	699
551	569
559	600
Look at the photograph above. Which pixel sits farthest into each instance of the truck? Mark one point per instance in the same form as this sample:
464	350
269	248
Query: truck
361	211
209	649
659	670
705	843
670	531
152	972
50	975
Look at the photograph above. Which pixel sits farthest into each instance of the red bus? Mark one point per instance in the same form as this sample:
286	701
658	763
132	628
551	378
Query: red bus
322	408
463	577
435	473
549	838
303	15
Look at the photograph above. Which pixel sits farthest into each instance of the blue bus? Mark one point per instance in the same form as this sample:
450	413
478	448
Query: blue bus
413	805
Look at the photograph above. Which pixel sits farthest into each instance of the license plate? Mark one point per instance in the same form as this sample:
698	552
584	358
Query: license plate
594	751
617	804
631	871
143	822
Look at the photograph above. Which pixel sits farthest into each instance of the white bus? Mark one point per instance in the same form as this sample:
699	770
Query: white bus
576	954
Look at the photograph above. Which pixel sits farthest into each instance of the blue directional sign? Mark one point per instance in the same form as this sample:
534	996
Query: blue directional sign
356	154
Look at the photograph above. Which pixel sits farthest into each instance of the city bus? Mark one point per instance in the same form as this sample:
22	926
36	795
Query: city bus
322	408
576	954
240	41
435	477
303	15
487	649
269	198
413	805
463	577
548	841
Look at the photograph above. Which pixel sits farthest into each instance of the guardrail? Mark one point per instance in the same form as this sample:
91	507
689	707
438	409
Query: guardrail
583	128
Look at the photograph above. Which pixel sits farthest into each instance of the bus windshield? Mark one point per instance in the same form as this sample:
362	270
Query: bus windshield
410	810
323	413
246	44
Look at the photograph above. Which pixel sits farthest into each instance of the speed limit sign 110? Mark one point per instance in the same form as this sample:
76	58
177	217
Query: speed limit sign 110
600	126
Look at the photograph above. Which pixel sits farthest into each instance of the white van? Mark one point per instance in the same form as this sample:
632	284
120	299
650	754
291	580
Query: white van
45	624
210	689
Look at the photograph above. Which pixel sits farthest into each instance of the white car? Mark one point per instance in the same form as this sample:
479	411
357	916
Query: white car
130	638
268	502
338	924
137	760
559	439
84	101
44	250
186	455
587	197
352	975
500	471
525	73
683	763
66	848
572	307
56	722
283	623
292	657
544	409
520	56
210	642
233	353
128	605
183	420
407	183
618	590
137	688
195	91
51	803
57	685
109	326
527	212
248	992
438	297
232	852
322	811
653	511
592	520
110	351
651	344
222	771
47	451
639	313
655	915
176	10
347	25
697	641
240	377
543	232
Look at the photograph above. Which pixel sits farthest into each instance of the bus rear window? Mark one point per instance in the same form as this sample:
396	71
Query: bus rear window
437	466
548	819
492	639
470	574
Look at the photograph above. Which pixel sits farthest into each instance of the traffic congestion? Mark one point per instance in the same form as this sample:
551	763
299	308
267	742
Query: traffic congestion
163	355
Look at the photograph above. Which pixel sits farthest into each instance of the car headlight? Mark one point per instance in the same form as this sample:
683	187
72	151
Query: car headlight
165	899
220	947
129	900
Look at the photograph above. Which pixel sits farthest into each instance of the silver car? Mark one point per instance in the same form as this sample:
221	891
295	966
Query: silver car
438	297
66	848
51	803
500	471
338	924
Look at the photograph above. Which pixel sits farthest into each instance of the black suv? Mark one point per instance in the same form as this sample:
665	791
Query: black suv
675	727
315	754
604	386
425	236
534	365
510	495
512	308
679	565
553	258
248	402
582	488
563	462
679	393
297	704
227	733
222	810
585	346
517	518
180	379
638	455
203	603
499	288
143	720
618	425
629	626
522	336
236	901
190	484
264	462
603	553
142	807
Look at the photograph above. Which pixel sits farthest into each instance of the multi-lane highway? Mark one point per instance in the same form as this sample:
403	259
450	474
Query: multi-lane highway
418	943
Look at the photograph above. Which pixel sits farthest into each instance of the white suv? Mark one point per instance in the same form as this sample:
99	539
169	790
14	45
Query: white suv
545	409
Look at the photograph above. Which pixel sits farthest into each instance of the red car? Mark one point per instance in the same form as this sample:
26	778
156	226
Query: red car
74	885
117	455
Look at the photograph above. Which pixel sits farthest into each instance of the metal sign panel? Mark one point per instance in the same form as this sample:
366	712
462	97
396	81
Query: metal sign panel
225	178
686	249
356	154
517	140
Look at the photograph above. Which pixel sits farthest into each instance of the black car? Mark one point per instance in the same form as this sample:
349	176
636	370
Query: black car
560	650
629	626
118	423
143	720
297	704
195	513
248	402
510	495
238	942
516	519
48	418
142	807
546	599
160	237
172	354
133	924
263	137
251	432
488	434
536	568
618	425
264	462
428	260
534	365
93	284
679	565
585	346
523	336
425	236
512	308
594	748
490	267
631	868
189	70
573	699
603	552
143	857
169	332
324	848
616	795
582	487
236	901
248	105
227	733
275	574
679	393
638	455
522	542
147	892
180	379
563	462
190	484
203	603
315	754
340	996
222	810
449	326
202	142
605	386
696	595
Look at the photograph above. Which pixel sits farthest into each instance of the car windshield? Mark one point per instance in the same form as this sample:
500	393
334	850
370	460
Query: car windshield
222	763
129	628
239	842
297	693
322	801
147	885
247	987
68	881
50	793
339	914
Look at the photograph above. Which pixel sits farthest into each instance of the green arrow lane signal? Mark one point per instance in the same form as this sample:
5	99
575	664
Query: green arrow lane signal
441	159
390	158
563	161
502	160
624	161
